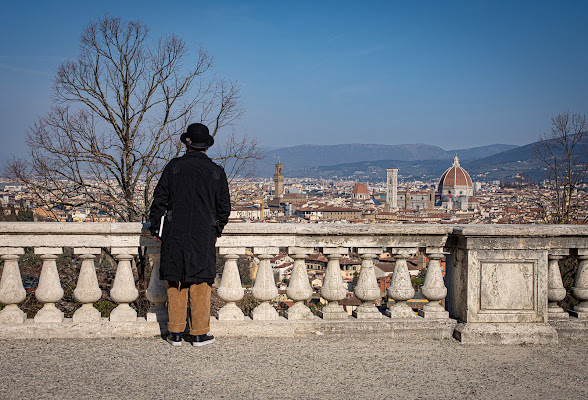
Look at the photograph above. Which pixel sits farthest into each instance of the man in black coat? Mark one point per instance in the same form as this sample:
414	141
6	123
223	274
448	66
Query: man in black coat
192	196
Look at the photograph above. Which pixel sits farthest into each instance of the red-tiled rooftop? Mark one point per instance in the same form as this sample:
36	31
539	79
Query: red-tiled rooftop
360	188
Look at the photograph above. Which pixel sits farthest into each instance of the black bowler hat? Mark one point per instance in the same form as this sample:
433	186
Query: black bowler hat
197	136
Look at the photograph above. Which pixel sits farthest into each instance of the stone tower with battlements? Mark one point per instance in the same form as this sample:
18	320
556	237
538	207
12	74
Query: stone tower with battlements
279	179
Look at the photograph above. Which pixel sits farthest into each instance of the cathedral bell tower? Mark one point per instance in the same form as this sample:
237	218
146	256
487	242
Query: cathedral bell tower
279	180
392	188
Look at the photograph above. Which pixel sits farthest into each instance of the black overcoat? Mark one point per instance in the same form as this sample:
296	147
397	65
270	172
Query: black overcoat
194	194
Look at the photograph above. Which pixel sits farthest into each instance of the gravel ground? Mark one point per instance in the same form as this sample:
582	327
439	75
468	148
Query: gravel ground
321	367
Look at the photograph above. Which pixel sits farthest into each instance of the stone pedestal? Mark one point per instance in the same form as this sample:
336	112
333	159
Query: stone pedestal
333	311
497	279
333	289
264	312
87	290
434	288
299	288
49	290
367	289
230	289
400	289
264	288
230	312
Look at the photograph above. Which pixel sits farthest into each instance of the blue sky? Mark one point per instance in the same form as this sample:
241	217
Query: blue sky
451	73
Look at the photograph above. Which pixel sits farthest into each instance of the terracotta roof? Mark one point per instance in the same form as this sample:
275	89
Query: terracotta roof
360	188
386	267
317	257
339	209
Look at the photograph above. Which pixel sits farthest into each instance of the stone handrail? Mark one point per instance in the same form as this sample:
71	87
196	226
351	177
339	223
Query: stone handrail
502	282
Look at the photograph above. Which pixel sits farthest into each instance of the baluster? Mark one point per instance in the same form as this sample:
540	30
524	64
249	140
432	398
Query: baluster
401	288
12	291
264	288
123	289
49	290
299	288
434	288
87	290
580	289
367	289
230	289
333	289
556	291
156	293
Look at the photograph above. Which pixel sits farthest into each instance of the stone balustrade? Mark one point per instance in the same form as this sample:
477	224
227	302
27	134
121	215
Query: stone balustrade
502	282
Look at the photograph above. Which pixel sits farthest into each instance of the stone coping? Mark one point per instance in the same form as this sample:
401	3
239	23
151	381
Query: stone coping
525	230
237	235
77	228
134	228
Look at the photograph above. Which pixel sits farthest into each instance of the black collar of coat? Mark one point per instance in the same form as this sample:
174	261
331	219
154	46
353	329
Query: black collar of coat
196	154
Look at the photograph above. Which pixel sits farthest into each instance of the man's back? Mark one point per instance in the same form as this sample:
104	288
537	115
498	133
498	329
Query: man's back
195	184
193	191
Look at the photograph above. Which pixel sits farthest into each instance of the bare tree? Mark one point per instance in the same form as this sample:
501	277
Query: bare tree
563	152
118	110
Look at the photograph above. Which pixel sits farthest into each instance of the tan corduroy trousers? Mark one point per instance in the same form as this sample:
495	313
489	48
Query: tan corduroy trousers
177	304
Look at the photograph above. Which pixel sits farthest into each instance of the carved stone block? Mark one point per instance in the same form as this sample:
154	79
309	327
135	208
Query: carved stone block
507	285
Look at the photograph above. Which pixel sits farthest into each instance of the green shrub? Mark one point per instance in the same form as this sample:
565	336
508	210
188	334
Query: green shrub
105	307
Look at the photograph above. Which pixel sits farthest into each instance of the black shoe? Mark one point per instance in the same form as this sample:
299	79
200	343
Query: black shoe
201	340
175	339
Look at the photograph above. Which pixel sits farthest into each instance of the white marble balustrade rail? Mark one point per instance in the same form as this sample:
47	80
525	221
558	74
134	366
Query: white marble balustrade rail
500	279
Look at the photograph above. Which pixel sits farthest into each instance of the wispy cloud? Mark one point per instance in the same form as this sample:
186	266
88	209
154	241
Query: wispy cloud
334	38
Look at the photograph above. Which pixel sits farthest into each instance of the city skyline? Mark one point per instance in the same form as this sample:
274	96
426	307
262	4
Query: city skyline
454	75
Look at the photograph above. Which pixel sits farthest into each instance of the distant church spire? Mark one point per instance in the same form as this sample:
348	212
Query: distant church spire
456	161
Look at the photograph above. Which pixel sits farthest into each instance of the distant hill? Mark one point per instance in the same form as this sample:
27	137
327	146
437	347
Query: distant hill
482	151
507	164
375	171
312	156
502	166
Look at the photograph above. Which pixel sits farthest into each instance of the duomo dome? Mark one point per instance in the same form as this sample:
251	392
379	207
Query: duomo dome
360	192
455	181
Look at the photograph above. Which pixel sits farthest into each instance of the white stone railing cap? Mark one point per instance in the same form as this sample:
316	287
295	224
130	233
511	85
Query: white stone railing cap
337	229
80	228
527	230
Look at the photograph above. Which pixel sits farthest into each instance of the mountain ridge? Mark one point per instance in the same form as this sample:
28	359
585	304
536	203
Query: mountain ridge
310	155
505	166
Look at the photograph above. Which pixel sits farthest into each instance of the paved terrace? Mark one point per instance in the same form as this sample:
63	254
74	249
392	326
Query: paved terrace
309	367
